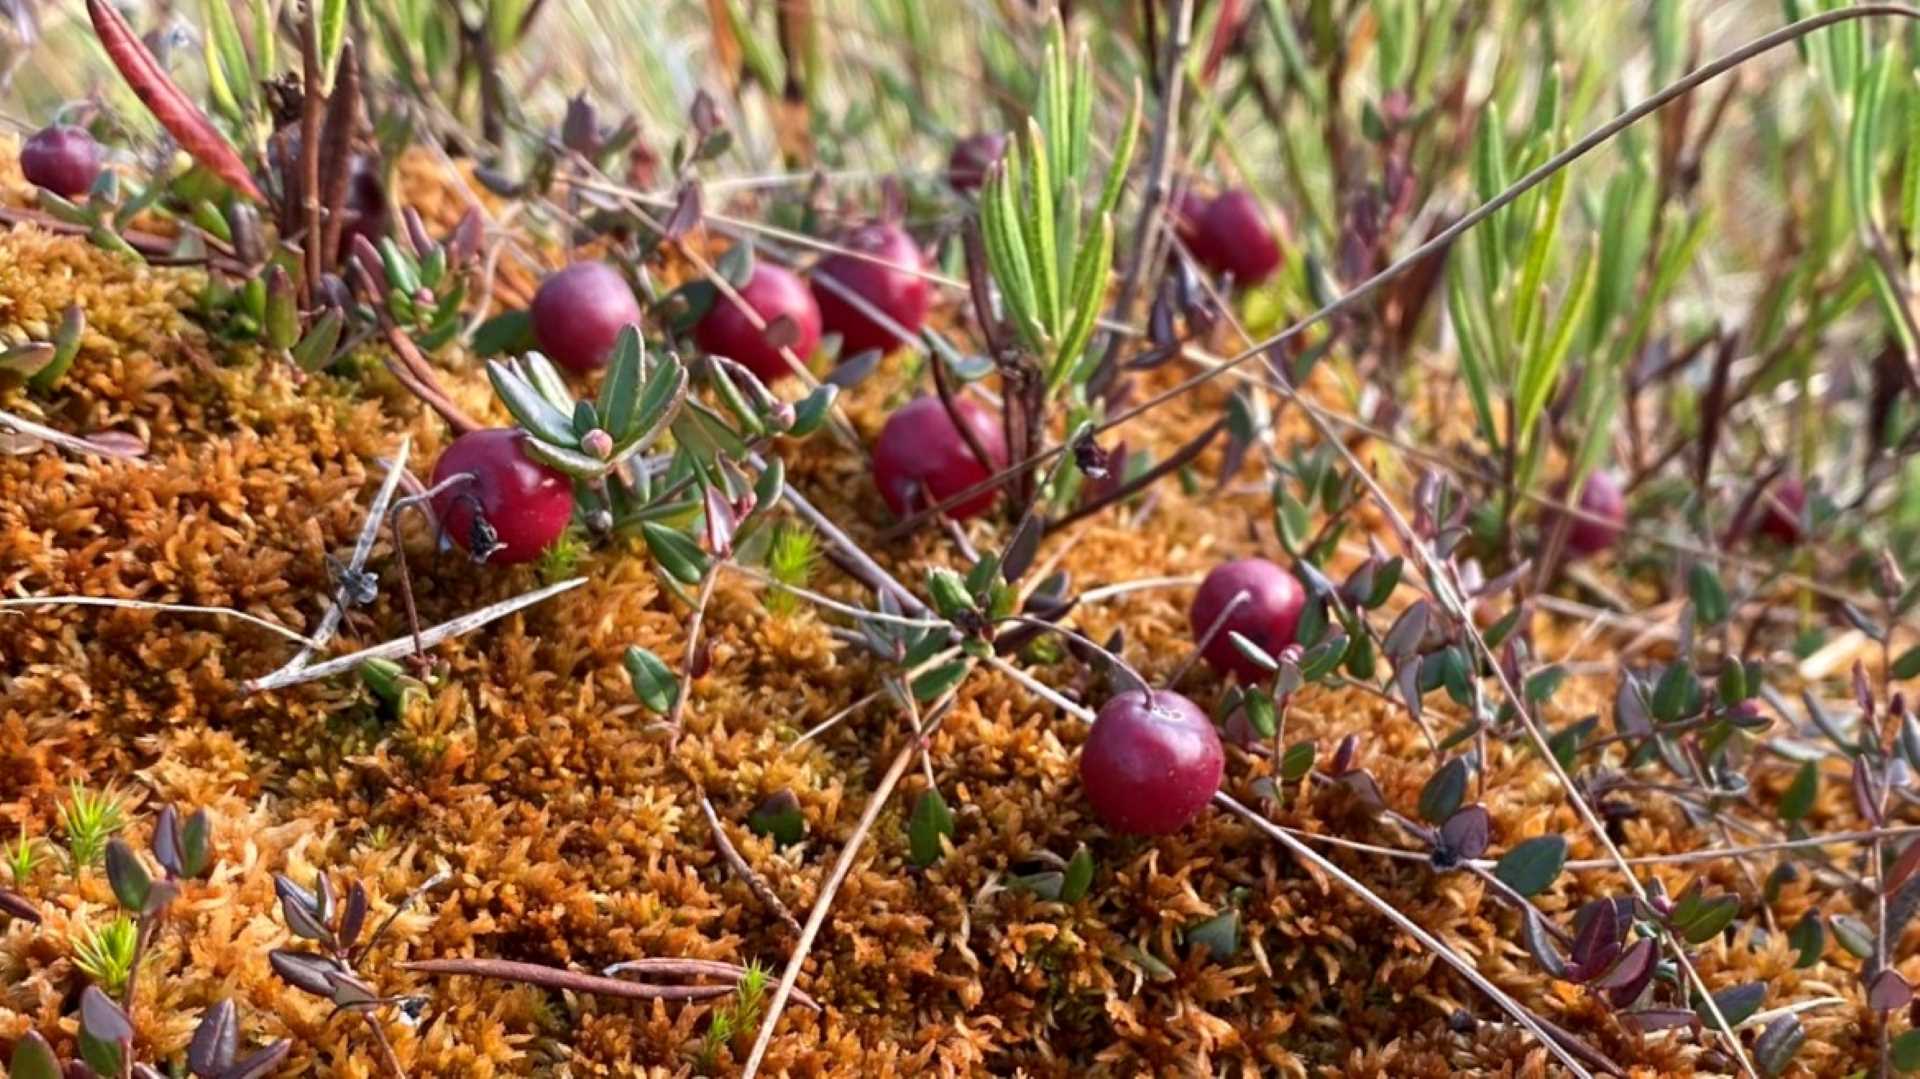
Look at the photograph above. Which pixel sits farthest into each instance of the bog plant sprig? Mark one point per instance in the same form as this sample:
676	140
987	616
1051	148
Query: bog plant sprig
107	954
1049	256
89	819
334	922
106	1047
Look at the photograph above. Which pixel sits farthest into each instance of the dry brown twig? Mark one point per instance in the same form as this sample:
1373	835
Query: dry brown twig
755	882
401	646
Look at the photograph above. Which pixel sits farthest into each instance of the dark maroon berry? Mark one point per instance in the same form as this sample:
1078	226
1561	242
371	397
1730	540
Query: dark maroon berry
785	307
1267	617
922	459
1151	763
973	157
1600	497
893	285
1783	511
512	508
578	314
1234	236
62	158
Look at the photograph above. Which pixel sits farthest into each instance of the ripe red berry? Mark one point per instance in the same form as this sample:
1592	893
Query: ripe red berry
921	458
578	314
1600	496
512	509
1267	617
1233	236
784	306
61	158
1783	509
1151	763
892	286
973	157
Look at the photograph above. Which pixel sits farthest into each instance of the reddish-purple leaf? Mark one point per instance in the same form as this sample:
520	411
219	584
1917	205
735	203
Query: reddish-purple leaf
168	103
1533	927
1863	793
686	212
1596	942
1903	868
101	1018
1466	834
261	1062
1631	970
1344	753
1887	991
15	905
215	1041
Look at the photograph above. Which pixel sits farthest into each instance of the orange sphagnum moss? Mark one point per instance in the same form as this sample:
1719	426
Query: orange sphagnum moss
573	834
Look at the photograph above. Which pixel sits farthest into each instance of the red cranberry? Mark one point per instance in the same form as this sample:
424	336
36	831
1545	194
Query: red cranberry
1151	763
524	504
1267	617
784	306
973	157
1601	497
892	286
921	458
579	312
1782	509
62	158
1233	236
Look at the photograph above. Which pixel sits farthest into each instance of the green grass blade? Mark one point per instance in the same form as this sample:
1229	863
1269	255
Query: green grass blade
1467	327
1540	373
1038	225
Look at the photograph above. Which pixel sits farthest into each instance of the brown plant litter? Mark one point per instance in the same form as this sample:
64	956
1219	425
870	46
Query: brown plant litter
574	835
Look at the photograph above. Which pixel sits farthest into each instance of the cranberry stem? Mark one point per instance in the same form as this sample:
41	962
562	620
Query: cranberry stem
1240	599
310	105
1181	458
417	376
755	882
1139	681
692	654
944	387
387	1054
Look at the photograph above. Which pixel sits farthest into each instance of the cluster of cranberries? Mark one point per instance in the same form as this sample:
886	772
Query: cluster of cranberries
1153	760
1779	515
878	272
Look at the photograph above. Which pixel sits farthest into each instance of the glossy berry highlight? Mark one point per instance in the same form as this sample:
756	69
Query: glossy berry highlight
1151	763
578	314
921	458
1267	617
784	307
62	159
886	275
512	508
